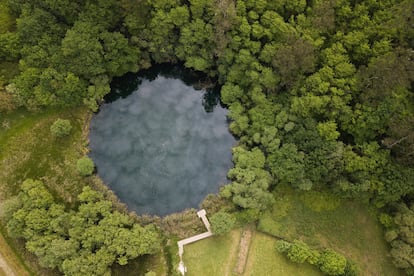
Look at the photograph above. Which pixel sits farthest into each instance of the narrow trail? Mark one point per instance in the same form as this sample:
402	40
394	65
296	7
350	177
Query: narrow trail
243	251
5	267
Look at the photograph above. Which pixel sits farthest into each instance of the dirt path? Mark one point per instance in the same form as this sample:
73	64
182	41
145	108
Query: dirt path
243	251
5	267
10	265
232	255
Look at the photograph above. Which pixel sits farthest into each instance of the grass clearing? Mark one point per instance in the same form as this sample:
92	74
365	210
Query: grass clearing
217	256
28	150
349	228
265	260
212	256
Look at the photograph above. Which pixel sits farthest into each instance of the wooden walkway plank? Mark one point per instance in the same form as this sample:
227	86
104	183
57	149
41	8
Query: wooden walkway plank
201	214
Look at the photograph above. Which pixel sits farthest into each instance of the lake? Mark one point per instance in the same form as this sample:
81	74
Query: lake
159	143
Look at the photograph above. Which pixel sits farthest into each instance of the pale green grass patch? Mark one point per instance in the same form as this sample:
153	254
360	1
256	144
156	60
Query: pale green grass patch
212	256
265	260
350	228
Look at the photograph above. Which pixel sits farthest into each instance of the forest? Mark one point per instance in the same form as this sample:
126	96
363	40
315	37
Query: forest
319	93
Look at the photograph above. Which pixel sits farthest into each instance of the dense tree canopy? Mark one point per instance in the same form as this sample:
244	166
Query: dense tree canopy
85	241
400	234
320	93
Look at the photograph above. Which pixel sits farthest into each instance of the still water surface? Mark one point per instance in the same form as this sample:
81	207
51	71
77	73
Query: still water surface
160	144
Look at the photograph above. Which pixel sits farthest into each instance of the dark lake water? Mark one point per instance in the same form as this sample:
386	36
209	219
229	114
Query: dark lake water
159	143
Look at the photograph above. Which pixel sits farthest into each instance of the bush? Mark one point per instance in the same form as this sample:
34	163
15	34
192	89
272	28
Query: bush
61	128
283	246
328	261
222	222
85	166
299	252
247	216
386	220
332	263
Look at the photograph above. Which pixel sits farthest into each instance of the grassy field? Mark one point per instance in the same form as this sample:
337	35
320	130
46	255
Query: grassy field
265	260
318	218
217	256
322	221
28	150
212	256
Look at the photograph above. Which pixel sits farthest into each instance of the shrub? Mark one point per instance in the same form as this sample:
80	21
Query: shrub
299	252
328	261
283	246
332	263
386	220
247	216
61	128
85	166
222	222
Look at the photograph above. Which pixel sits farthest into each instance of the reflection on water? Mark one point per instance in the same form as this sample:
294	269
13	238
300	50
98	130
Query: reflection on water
158	148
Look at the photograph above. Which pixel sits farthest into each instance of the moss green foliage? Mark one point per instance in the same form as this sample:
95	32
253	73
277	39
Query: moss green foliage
320	88
251	181
332	263
298	252
85	166
61	128
222	222
400	234
319	92
328	261
84	241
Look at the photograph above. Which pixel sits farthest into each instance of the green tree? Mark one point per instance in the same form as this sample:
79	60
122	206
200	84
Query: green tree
85	166
61	128
82	241
250	185
401	237
332	263
299	252
222	222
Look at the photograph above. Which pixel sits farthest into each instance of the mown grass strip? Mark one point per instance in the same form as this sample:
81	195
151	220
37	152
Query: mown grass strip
214	256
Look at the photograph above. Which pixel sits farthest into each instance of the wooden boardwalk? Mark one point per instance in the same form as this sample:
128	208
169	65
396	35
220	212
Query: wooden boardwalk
201	214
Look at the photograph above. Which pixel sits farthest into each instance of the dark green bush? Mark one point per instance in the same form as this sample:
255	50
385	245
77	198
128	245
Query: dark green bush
332	263
61	128
222	222
85	166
